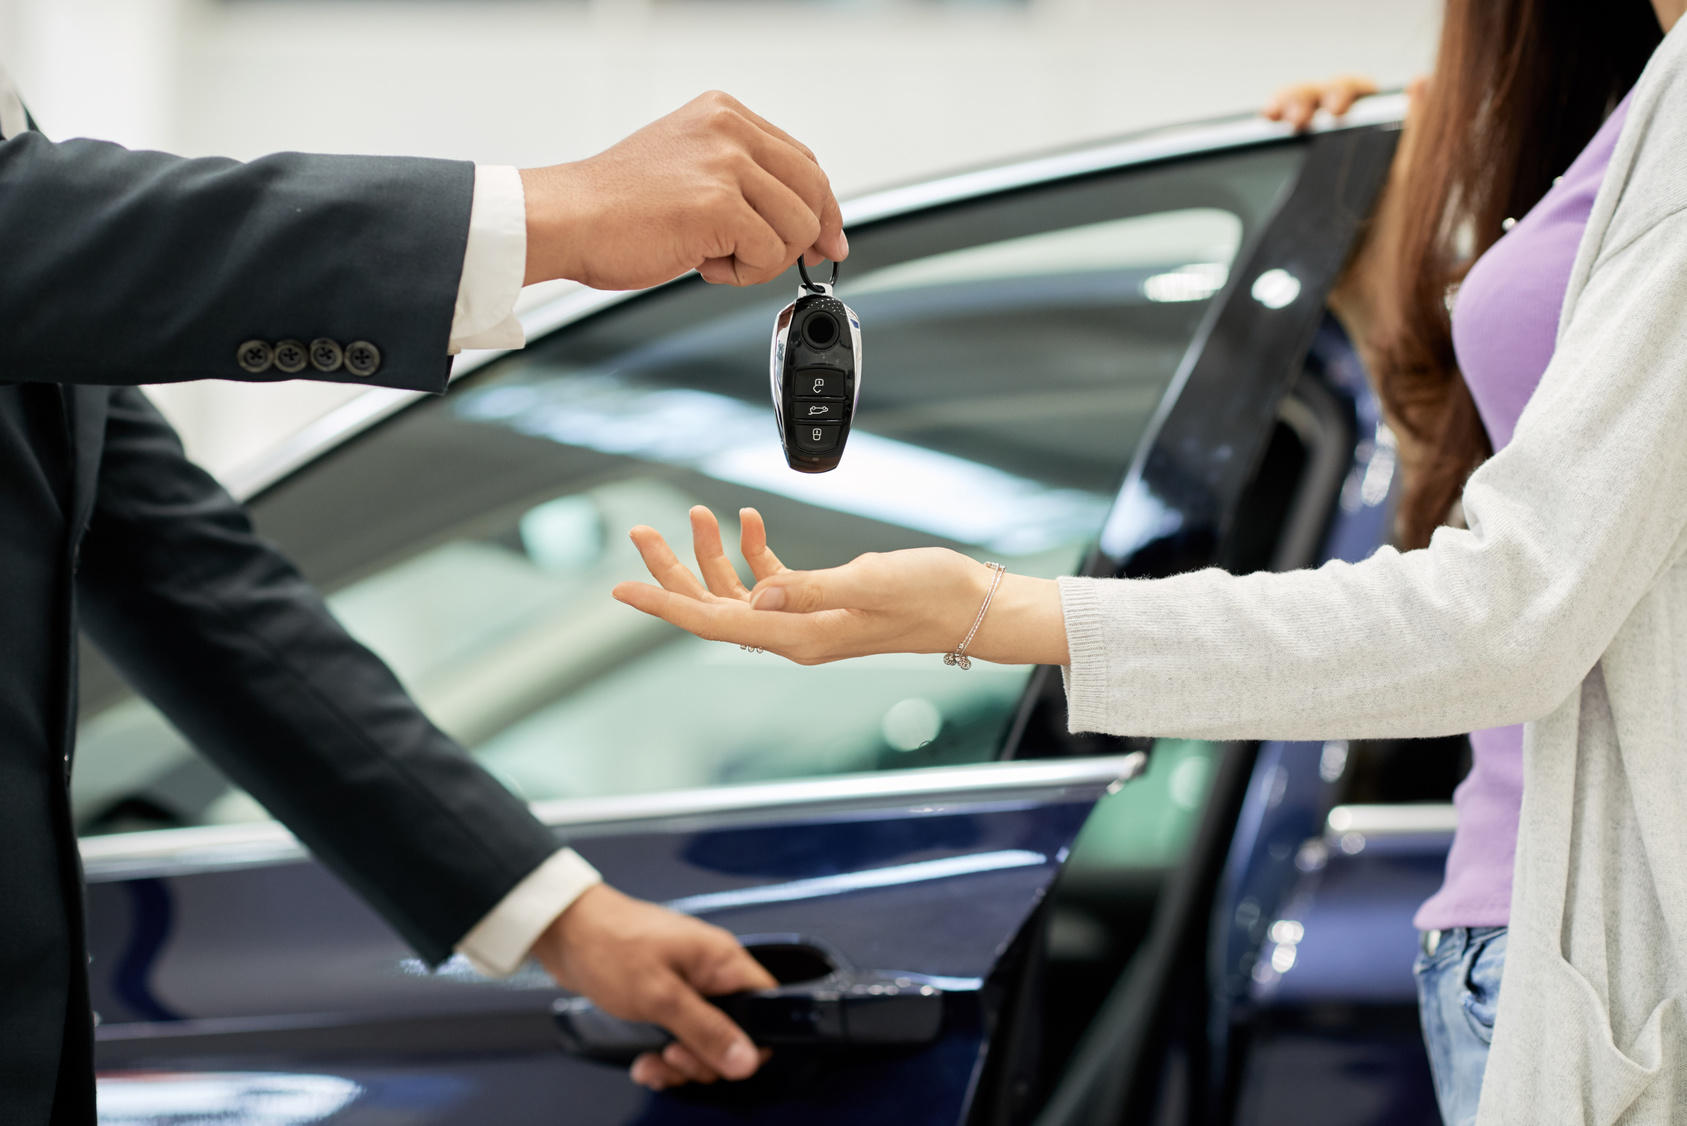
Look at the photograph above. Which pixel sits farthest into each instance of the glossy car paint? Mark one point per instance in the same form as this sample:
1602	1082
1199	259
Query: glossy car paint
214	990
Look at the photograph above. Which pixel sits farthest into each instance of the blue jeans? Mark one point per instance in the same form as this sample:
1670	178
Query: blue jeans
1458	973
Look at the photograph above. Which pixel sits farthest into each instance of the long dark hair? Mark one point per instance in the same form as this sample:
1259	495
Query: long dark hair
1519	88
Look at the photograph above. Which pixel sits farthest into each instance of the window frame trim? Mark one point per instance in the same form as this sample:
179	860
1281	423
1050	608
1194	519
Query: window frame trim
211	848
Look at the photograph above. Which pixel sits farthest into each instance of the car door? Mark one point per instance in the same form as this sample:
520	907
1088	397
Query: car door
883	830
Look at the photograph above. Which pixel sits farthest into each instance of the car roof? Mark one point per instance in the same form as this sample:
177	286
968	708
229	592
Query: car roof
1143	146
571	302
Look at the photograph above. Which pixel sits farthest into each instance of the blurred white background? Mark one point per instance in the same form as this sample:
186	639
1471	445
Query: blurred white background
882	90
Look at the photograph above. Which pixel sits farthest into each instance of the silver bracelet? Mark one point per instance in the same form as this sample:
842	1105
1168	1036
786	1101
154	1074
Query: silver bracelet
958	655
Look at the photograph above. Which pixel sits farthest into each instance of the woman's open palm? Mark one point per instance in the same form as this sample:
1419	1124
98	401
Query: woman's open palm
897	602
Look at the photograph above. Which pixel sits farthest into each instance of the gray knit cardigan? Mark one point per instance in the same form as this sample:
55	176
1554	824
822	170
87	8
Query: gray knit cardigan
1563	606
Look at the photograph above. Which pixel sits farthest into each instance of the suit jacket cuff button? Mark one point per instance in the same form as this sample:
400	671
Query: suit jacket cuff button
254	356
290	357
363	359
326	355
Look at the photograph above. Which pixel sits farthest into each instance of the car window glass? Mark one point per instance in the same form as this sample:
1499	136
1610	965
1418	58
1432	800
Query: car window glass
1014	352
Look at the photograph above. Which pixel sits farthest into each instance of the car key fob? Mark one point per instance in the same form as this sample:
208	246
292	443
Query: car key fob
816	370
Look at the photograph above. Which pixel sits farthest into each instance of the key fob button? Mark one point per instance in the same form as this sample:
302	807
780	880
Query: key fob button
818	383
817	412
819	438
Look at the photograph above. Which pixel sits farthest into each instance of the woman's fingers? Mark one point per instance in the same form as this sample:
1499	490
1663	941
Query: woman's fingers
664	566
717	569
1293	105
1297	105
752	541
804	638
1341	93
713	619
806	592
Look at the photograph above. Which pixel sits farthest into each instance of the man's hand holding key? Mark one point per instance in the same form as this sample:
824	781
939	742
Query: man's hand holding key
711	187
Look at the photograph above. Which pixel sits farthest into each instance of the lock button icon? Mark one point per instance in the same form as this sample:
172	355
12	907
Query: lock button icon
815	438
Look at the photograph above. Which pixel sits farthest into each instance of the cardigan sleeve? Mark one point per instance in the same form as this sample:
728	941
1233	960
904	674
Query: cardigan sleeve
1569	526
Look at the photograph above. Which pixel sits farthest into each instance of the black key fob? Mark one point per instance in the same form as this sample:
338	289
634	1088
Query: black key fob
816	369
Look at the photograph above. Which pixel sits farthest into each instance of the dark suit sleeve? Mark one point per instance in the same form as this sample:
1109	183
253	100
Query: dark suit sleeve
121	267
238	650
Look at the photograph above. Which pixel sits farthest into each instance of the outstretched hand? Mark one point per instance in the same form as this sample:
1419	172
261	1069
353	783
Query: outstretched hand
921	600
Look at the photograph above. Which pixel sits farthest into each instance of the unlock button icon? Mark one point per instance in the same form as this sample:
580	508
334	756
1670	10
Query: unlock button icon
819	383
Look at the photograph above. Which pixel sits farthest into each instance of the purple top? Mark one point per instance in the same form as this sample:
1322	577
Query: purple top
1505	326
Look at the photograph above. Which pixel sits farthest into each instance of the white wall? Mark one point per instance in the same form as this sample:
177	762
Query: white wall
883	90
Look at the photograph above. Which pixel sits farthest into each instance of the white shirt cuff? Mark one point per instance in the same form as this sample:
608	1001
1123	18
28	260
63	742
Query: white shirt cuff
494	263
501	941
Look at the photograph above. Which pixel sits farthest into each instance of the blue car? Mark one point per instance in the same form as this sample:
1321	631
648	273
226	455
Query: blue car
1112	361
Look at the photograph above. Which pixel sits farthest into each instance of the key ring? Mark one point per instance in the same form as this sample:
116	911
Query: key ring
809	283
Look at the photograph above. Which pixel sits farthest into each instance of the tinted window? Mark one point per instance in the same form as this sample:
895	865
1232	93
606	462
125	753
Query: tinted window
1014	352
